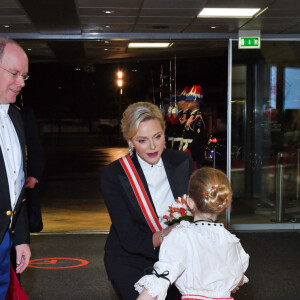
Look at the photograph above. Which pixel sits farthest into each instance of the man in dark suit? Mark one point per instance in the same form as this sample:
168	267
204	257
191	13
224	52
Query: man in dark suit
35	166
14	229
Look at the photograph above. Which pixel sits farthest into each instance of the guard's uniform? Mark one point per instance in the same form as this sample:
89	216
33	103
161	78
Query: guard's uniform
194	127
193	137
177	136
183	117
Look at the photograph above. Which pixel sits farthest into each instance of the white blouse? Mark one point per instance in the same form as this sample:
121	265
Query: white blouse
202	258
159	187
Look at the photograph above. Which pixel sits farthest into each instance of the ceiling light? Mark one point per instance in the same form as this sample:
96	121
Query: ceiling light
107	26
108	11
29	49
6	26
228	12
106	42
150	45
105	49
213	27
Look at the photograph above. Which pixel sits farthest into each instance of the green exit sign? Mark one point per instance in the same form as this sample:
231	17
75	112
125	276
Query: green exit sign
249	42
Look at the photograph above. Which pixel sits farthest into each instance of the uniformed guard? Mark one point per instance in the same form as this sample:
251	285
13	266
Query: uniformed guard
194	127
172	119
183	115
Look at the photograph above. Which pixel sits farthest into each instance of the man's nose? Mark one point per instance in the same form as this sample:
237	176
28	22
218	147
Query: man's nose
21	81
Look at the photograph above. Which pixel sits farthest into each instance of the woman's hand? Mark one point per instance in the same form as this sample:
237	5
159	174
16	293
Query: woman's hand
169	228
159	236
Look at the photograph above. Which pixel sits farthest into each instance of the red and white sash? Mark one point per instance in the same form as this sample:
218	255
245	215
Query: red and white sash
200	297
140	193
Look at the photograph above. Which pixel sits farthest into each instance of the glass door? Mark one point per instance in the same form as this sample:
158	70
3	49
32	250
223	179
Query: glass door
265	136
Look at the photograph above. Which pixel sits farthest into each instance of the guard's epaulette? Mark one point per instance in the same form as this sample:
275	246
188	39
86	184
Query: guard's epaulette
196	112
16	106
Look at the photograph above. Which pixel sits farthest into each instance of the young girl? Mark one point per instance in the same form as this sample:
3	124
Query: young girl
203	259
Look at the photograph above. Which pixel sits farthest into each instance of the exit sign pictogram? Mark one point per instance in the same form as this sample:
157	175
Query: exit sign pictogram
249	42
249	39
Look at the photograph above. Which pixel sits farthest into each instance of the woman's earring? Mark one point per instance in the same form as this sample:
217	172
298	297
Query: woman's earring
131	148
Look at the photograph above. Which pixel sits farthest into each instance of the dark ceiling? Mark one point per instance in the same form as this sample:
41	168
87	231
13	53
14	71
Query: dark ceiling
79	31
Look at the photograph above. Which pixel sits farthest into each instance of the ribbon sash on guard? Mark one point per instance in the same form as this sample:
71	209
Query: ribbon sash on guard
140	193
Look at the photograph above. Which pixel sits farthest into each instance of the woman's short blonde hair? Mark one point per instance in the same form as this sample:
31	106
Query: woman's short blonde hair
137	113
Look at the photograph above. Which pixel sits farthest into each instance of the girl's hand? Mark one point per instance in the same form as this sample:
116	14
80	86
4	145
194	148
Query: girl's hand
239	284
145	296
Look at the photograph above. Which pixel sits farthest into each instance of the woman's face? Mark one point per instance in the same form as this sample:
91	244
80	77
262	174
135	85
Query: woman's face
149	141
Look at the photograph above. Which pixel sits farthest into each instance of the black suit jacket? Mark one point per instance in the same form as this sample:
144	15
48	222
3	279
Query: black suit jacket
35	156
130	238
35	167
19	227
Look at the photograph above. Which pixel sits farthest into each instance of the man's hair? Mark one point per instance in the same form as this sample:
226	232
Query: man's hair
3	43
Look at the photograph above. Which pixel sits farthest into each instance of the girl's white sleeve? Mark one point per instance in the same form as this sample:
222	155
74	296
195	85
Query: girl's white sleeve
170	266
245	260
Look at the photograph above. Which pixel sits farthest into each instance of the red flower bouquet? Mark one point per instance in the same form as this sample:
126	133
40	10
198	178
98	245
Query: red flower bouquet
178	211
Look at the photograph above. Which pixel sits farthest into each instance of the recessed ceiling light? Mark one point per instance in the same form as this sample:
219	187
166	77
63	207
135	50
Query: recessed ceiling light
106	42
29	49
105	49
108	11
213	27
107	26
228	12
6	26
149	45
160	27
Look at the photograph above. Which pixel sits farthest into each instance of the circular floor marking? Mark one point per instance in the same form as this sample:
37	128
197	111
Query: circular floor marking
57	263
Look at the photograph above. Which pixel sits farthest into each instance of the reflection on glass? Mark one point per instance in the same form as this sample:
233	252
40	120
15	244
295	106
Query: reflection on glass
266	134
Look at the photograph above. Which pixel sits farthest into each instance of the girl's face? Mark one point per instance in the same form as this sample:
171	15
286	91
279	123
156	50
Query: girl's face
149	141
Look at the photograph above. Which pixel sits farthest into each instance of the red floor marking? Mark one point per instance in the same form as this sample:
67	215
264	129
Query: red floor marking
54	261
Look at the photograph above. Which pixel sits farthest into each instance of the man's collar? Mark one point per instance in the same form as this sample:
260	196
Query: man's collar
4	109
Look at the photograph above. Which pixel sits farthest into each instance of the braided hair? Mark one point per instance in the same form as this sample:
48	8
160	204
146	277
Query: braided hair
210	189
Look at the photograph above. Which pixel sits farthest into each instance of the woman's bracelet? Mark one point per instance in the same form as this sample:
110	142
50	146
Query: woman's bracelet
162	235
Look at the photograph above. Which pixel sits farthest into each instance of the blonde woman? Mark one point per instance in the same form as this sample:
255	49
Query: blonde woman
133	242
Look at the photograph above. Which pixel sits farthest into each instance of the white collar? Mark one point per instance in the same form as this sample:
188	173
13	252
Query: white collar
146	166
4	109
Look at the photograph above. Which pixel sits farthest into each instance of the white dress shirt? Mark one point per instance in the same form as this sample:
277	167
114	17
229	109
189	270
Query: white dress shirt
202	259
159	187
12	155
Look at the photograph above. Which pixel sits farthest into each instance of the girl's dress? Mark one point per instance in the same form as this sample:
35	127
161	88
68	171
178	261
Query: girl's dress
203	259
